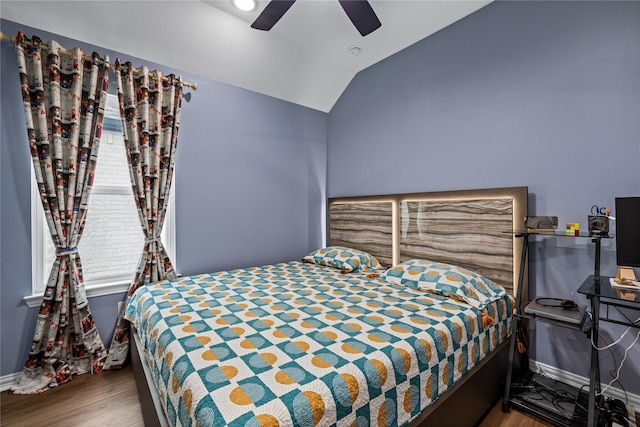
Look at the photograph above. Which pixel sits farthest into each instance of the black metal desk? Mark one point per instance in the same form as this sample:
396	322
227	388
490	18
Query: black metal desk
599	291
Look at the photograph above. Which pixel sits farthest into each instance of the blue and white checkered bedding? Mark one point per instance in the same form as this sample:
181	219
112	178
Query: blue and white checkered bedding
298	344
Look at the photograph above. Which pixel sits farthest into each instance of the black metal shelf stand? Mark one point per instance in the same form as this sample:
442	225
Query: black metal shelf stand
592	287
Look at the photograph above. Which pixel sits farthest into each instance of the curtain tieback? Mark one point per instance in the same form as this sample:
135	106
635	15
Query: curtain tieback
152	240
66	251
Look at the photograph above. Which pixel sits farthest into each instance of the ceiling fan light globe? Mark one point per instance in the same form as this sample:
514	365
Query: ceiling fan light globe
244	5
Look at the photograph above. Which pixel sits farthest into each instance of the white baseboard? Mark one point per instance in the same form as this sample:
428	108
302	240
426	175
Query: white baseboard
579	381
7	380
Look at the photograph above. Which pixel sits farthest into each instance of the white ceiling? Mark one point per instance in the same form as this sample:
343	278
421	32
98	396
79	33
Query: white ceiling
304	59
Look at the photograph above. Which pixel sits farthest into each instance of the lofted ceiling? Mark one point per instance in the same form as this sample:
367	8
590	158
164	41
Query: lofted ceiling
308	58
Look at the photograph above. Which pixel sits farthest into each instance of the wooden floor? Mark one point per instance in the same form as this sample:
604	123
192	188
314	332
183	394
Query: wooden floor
497	418
111	399
107	399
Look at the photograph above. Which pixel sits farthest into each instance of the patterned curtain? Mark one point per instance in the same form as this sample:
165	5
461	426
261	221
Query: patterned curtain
63	102
150	106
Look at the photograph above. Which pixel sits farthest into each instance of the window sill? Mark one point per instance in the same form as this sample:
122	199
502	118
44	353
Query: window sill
97	290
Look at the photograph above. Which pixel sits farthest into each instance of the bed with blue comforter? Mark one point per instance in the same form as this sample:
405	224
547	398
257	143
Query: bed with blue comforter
312	344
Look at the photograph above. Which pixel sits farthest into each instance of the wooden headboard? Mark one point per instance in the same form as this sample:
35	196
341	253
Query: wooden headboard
469	228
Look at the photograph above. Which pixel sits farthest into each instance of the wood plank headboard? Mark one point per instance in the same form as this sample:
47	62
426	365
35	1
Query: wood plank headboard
470	228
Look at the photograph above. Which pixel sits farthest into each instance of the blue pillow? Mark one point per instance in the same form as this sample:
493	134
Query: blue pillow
447	280
345	259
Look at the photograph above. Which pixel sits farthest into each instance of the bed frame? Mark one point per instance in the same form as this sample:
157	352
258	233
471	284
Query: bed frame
470	228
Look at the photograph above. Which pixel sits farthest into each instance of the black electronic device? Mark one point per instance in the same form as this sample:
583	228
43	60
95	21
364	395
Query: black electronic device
557	309
616	412
598	225
628	231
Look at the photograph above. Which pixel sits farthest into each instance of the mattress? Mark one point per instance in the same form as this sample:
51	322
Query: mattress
296	344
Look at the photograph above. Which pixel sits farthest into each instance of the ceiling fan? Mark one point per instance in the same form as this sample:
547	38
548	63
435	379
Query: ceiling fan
359	12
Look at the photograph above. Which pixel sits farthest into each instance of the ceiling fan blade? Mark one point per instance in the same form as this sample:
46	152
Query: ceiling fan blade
362	15
271	14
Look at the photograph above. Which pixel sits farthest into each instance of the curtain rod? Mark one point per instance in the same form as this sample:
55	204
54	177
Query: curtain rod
5	37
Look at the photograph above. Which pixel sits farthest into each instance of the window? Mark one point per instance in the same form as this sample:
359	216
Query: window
112	240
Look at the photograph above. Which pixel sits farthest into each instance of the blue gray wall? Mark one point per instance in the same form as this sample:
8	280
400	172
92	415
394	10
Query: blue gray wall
250	189
541	94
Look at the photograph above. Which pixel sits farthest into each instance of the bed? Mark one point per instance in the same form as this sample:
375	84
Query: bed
352	339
